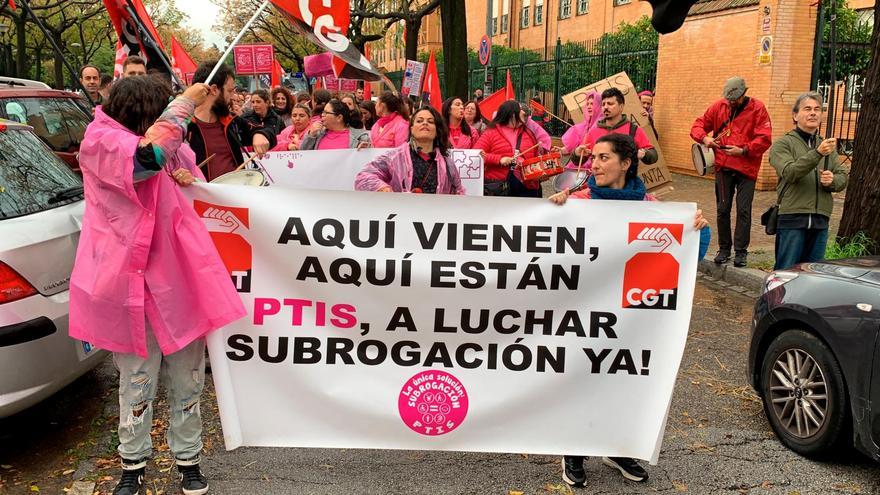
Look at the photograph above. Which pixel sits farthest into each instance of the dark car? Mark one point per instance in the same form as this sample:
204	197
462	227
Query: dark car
815	356
59	118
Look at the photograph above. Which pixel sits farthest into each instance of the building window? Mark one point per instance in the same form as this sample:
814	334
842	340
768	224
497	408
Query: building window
618	3
539	13
564	9
504	23
524	18
583	6
494	25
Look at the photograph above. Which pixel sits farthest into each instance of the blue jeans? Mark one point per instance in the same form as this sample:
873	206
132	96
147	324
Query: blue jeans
795	246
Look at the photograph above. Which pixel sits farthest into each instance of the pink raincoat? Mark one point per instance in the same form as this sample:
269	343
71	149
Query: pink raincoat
390	131
576	135
143	251
395	169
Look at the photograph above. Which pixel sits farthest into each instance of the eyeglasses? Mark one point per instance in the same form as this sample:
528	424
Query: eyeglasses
328	113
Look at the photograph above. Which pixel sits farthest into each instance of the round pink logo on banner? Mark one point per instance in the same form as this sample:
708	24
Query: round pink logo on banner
433	403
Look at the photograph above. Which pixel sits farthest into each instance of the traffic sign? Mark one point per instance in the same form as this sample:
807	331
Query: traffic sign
485	50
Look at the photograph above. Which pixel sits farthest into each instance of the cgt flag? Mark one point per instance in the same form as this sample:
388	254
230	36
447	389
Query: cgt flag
431	84
126	16
325	23
182	63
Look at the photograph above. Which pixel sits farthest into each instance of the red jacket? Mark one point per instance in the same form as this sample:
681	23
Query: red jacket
750	130
496	146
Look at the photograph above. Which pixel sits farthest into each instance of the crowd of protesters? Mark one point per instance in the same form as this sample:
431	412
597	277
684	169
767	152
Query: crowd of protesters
209	129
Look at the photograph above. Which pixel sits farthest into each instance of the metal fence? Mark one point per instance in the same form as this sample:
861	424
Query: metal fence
841	59
551	73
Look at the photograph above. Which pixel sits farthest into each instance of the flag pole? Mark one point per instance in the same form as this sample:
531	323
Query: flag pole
236	40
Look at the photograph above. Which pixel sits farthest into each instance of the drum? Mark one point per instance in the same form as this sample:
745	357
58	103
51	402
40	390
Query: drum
242	178
571	180
704	158
541	168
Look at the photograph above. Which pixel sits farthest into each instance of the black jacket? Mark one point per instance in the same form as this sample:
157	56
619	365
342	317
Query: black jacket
238	133
271	122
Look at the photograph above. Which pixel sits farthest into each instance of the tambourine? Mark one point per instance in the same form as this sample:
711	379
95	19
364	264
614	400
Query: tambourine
541	168
704	158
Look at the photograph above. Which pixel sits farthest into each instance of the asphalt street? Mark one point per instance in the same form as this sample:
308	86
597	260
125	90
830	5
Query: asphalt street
717	441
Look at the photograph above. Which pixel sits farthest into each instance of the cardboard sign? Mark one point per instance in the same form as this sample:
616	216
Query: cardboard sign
656	176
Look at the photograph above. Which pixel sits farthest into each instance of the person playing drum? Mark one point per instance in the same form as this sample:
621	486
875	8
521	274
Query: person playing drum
504	143
421	165
574	141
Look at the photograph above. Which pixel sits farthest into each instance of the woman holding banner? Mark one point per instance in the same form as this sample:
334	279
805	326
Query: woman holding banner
148	283
504	143
291	137
335	132
461	135
392	128
421	165
615	176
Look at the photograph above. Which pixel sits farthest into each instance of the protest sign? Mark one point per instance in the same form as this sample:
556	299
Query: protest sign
412	78
254	59
656	176
337	169
402	321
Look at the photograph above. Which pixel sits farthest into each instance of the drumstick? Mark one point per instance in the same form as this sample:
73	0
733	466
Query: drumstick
206	161
252	158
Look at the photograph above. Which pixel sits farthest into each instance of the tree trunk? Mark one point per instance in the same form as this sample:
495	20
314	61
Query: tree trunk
413	26
455	58
863	193
38	54
20	44
59	72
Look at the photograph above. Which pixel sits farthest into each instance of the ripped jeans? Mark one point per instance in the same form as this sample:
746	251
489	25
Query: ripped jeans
183	374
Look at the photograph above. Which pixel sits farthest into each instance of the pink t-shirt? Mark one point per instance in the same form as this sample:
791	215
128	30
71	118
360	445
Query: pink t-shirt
334	140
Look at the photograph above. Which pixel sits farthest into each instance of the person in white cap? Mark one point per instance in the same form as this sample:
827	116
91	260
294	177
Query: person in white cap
740	135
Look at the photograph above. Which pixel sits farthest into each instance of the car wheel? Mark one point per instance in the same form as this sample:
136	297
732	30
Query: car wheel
804	394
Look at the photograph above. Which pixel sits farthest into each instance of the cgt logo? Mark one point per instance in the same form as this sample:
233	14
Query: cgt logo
227	226
650	279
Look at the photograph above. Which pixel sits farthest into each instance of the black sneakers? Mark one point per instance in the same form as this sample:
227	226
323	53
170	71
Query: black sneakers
739	260
191	480
629	468
573	470
132	479
722	257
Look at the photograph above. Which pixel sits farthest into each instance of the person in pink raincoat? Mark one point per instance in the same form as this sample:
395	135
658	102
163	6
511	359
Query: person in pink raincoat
574	139
421	165
392	128
148	283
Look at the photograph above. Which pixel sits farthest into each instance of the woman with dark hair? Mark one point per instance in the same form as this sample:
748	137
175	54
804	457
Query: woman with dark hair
421	165
262	114
319	98
615	176
291	137
461	135
148	283
474	117
368	113
334	131
283	103
392	128
505	143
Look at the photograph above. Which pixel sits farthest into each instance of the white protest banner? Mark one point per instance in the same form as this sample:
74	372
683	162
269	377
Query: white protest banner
656	176
337	169
412	78
403	321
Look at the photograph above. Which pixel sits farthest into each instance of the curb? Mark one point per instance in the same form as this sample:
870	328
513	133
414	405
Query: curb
747	281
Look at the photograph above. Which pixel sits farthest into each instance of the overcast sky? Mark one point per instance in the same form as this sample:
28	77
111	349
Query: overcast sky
202	16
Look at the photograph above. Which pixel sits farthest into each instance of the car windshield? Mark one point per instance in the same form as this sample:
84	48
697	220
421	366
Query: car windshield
32	179
59	122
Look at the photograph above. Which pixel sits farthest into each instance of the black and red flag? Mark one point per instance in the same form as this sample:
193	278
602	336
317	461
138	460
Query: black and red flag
137	34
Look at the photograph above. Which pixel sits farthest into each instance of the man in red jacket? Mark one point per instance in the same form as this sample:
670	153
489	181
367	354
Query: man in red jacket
741	133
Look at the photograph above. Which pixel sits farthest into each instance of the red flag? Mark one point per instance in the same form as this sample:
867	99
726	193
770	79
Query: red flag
277	74
121	54
537	107
431	84
490	104
130	36
182	63
368	86
12	4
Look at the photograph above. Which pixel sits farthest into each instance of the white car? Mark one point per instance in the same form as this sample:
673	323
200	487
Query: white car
41	211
